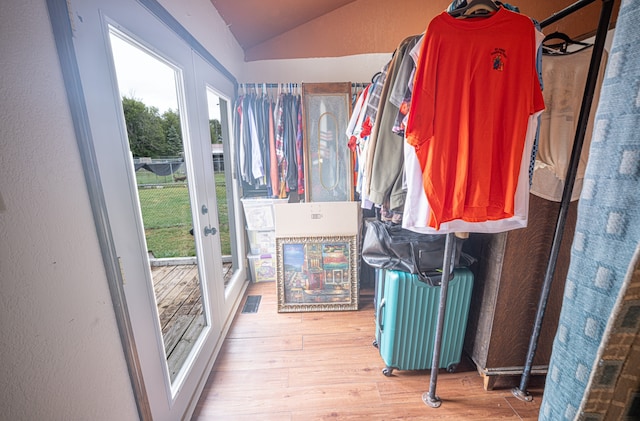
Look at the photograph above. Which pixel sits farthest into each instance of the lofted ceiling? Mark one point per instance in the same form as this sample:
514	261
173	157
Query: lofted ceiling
281	29
253	22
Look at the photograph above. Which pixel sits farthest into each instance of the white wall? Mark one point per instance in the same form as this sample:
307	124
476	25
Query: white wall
60	348
359	68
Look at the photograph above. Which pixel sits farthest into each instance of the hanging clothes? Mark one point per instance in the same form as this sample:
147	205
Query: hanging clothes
269	146
357	139
290	134
417	211
386	165
565	80
257	169
299	151
273	160
471	158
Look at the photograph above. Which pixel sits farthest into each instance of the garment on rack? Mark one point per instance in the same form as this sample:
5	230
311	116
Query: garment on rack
360	127
269	142
299	156
257	169
382	93
386	150
400	94
415	52
416	210
469	128
565	79
273	160
357	139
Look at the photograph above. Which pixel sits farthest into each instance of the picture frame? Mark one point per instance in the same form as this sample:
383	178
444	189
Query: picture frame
317	273
328	161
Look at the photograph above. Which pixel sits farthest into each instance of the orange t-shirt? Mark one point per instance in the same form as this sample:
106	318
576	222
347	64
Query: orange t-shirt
475	86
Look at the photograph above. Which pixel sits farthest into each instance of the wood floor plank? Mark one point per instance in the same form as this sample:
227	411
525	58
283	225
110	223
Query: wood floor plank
168	283
228	361
182	349
361	338
322	366
182	298
321	374
159	274
526	410
232	402
263	344
409	411
175	332
206	413
259	379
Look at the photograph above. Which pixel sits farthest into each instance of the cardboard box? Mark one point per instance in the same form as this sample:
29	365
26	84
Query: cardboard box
317	219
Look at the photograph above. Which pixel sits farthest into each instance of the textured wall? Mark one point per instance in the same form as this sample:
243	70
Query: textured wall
60	347
377	26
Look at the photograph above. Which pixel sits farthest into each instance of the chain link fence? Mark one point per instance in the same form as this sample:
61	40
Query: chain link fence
166	208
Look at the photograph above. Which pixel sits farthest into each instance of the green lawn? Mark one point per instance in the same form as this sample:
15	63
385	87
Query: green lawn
167	219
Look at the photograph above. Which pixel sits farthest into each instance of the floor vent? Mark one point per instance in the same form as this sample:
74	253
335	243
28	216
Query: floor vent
252	303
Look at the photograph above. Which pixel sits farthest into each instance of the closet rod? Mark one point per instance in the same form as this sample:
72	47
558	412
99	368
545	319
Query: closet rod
267	85
295	84
565	12
583	119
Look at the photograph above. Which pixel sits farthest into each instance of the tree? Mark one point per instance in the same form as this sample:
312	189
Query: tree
216	131
144	129
172	133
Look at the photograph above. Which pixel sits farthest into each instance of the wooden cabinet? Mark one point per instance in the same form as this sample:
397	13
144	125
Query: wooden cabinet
509	275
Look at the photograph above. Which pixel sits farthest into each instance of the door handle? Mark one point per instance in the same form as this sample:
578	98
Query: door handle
209	230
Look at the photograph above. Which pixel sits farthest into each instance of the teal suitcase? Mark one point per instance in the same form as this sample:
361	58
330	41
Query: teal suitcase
406	318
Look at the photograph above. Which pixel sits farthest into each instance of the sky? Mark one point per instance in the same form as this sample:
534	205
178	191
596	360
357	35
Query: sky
145	78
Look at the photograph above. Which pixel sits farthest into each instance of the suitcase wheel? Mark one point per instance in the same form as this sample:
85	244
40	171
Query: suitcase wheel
387	371
452	367
375	343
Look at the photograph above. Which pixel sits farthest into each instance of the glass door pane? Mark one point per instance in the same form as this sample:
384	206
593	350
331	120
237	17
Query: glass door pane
219	133
150	89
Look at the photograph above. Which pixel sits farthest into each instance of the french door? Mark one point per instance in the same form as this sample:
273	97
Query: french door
176	339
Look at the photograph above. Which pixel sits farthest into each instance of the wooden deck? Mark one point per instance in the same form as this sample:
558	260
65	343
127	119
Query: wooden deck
178	294
322	366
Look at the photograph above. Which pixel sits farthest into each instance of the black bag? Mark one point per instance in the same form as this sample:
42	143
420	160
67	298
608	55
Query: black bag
391	247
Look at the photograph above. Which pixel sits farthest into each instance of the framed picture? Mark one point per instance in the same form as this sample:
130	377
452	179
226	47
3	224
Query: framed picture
328	159
317	273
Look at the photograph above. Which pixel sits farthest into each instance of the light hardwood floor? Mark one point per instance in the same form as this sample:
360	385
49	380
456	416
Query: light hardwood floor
323	366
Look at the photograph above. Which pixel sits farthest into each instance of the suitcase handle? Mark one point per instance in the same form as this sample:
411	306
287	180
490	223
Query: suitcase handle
380	308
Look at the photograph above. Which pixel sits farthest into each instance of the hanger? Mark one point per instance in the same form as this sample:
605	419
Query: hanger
475	8
561	47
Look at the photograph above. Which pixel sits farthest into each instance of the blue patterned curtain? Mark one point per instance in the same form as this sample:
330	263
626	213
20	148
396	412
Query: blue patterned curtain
608	225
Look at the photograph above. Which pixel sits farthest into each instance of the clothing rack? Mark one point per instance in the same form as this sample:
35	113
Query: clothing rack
295	85
430	398
262	87
583	119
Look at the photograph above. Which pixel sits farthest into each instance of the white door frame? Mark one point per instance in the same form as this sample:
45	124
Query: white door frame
82	55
